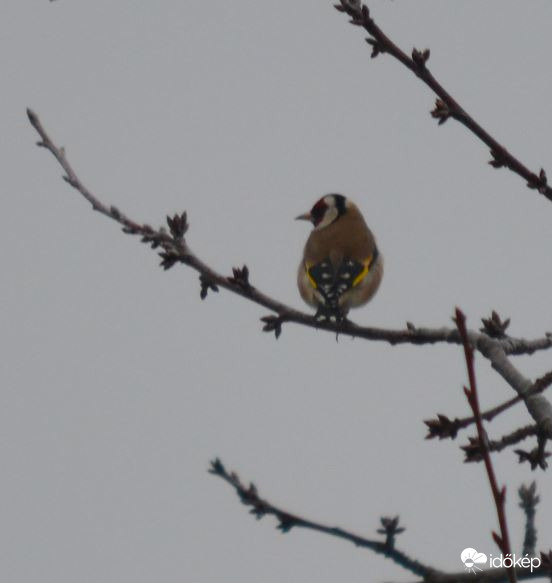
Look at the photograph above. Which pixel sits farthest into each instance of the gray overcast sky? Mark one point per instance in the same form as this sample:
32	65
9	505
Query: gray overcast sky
118	385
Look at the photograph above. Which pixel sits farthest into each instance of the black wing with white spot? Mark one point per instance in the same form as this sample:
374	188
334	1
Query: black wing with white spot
332	284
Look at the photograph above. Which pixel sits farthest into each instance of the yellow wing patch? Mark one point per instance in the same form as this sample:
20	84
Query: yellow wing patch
364	272
310	277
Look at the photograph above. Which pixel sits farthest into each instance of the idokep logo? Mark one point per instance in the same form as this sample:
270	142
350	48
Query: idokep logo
472	559
507	561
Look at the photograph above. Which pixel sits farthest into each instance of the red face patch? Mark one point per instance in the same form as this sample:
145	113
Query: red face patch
318	211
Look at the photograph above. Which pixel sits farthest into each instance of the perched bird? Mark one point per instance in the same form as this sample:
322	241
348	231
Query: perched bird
341	266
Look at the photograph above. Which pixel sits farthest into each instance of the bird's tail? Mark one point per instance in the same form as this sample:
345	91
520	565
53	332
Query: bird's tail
330	313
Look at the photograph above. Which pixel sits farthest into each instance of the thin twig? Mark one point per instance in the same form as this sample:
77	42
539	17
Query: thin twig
537	456
474	450
286	521
499	495
528	500
443	427
445	106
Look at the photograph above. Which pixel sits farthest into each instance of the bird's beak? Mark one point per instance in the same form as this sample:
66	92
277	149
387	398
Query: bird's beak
304	217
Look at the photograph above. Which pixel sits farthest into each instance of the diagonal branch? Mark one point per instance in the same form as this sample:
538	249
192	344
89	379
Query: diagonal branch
538	406
72	178
499	495
445	106
174	249
443	427
180	252
286	521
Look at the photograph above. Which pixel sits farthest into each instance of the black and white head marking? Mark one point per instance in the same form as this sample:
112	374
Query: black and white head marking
328	209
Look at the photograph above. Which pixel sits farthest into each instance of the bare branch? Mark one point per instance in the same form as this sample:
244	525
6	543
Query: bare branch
445	106
546	559
474	449
260	507
519	346
174	249
537	456
286	521
528	501
444	427
499	495
538	406
178	251
72	179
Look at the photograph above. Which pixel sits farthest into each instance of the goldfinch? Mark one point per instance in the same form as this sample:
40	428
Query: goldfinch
341	266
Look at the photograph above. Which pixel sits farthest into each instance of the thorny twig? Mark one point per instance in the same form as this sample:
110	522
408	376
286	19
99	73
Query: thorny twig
499	494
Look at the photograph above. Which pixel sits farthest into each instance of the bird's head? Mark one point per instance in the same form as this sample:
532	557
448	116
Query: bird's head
326	210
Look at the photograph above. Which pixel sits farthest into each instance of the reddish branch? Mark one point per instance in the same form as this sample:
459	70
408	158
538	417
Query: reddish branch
445	106
499	494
